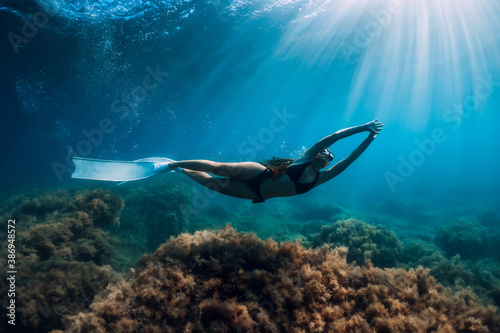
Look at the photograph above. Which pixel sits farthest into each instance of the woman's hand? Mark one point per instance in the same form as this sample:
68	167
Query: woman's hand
374	127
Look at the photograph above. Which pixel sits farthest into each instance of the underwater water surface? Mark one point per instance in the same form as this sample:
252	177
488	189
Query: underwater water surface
235	81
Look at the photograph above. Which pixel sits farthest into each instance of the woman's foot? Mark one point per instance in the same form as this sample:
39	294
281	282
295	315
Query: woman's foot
171	165
159	167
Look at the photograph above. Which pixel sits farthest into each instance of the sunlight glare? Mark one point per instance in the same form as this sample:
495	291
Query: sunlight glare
410	53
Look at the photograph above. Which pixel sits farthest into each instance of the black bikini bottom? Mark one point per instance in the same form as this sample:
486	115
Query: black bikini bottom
254	185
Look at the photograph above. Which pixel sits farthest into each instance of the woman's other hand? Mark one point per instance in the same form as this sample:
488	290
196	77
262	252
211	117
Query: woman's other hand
374	126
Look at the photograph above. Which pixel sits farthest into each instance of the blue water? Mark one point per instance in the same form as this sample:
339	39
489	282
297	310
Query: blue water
236	81
223	67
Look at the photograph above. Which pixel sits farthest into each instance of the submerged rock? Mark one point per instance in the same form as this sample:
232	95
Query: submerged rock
225	281
468	239
63	257
364	241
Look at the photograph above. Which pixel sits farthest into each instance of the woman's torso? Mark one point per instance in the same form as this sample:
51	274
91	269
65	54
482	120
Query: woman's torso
283	186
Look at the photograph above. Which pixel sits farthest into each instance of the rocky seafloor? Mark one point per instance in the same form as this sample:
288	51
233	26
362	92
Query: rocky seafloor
150	258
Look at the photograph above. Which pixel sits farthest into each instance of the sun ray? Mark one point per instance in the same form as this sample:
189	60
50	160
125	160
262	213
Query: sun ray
424	51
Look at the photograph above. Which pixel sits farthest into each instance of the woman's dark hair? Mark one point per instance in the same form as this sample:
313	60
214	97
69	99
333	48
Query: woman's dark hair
278	165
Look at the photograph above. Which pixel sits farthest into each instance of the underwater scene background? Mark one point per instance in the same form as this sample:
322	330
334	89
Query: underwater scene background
411	228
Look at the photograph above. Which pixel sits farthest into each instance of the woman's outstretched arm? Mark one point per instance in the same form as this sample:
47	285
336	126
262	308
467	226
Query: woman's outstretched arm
373	126
342	165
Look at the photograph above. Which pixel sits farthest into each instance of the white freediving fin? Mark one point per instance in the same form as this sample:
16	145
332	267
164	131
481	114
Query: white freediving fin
119	171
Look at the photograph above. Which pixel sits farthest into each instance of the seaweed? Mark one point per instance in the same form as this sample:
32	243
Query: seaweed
153	212
365	242
482	276
225	281
62	254
468	239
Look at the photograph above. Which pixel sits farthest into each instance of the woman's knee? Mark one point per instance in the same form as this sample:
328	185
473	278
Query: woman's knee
210	166
226	169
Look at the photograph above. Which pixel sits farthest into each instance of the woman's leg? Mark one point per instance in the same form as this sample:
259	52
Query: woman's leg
227	186
242	171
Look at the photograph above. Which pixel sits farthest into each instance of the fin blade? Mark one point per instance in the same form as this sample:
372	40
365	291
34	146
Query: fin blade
116	171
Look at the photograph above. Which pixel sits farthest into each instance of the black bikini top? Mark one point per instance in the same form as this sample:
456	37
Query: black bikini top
294	172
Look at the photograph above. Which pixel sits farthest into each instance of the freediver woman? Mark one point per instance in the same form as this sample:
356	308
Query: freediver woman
279	177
